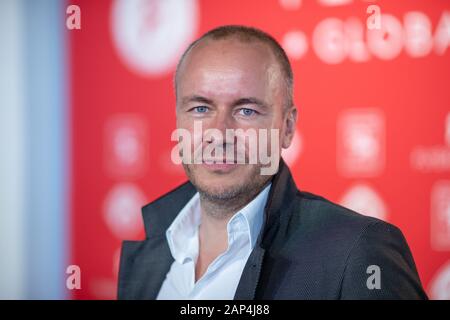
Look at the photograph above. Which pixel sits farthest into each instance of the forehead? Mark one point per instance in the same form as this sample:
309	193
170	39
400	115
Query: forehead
229	66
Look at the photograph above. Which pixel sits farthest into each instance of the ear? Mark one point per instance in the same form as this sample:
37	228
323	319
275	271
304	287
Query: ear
290	123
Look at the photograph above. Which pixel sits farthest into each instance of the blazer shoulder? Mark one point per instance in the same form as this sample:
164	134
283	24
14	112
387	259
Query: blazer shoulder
348	244
336	229
319	211
381	266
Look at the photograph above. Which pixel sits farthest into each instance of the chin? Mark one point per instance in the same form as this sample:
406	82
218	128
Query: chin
221	185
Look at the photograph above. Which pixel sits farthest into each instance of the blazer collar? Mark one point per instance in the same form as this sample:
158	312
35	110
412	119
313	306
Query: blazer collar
159	214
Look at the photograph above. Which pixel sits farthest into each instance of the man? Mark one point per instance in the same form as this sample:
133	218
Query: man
233	232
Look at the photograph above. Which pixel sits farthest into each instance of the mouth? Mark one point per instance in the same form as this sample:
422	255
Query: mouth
219	165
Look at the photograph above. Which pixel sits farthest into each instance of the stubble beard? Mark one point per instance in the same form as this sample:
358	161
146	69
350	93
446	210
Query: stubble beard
228	198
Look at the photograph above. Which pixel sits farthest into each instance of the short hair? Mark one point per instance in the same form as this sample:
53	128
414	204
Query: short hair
247	34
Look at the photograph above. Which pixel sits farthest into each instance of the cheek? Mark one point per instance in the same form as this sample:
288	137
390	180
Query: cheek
183	122
195	133
186	123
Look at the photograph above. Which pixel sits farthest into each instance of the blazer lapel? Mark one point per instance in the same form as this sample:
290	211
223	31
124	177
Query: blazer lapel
250	275
143	267
281	193
144	264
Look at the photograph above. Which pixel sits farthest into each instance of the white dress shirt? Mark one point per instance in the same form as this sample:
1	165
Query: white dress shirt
222	276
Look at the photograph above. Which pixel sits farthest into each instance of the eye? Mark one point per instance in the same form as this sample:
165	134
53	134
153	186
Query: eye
247	112
200	109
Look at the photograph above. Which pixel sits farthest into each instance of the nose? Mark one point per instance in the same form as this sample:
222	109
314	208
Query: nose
221	121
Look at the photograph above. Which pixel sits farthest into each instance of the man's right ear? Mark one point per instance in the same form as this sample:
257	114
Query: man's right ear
290	125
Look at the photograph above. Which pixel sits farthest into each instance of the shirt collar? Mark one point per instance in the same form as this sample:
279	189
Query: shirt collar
182	234
184	229
253	216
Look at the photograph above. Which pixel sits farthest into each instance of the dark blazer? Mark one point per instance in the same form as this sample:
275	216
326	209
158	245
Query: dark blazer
308	248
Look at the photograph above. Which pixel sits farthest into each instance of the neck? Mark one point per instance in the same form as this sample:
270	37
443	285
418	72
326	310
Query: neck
215	213
213	235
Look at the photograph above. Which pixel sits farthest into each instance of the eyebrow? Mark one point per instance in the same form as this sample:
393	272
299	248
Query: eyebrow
239	102
250	100
196	98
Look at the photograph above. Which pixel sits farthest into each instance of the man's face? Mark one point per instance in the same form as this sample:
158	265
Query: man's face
229	84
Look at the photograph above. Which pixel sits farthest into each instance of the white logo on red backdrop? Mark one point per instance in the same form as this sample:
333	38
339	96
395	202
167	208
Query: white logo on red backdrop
357	50
150	35
328	41
434	158
360	143
418	36
334	40
440	215
126	146
440	284
333	3
122	210
290	4
295	44
442	34
365	200
105	287
382	46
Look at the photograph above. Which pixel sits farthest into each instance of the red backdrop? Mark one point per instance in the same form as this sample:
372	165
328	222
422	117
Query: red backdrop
373	129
